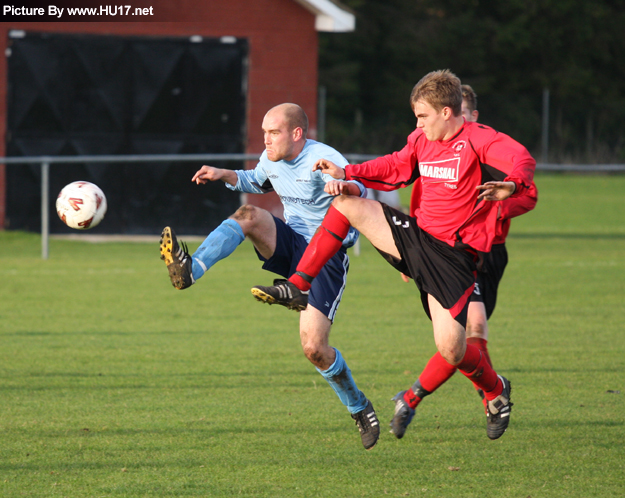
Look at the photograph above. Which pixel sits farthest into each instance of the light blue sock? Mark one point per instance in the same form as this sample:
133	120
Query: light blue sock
219	244
339	376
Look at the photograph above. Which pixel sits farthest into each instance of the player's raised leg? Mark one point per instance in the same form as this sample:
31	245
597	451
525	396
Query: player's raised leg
314	335
365	215
250	221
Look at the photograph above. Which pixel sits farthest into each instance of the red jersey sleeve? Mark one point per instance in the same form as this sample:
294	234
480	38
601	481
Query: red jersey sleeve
511	159
389	172
516	206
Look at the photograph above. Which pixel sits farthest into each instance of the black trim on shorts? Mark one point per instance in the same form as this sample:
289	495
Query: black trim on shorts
488	278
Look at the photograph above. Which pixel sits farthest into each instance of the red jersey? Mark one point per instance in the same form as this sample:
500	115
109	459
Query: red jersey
448	173
509	208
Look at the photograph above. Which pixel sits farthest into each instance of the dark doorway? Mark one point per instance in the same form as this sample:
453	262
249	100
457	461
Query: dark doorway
92	95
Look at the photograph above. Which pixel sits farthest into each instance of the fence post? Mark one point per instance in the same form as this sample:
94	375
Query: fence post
45	219
545	130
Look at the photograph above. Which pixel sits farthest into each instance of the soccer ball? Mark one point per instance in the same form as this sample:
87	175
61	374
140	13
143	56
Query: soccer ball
81	205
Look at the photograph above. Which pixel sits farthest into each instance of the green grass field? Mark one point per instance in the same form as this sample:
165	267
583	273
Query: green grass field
113	384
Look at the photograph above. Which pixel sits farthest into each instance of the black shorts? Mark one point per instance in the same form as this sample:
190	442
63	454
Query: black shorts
447	273
489	276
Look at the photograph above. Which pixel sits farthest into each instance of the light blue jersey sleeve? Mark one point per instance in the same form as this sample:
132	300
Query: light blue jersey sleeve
252	181
300	189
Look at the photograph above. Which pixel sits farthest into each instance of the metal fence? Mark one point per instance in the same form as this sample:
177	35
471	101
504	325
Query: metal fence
46	161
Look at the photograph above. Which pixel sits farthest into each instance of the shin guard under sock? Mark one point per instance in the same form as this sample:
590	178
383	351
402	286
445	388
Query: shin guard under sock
219	244
476	368
326	242
481	345
339	376
435	374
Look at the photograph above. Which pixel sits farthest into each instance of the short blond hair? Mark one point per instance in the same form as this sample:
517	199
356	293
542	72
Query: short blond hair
439	89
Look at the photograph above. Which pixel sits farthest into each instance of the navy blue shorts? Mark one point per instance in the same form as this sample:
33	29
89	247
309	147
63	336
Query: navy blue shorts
327	288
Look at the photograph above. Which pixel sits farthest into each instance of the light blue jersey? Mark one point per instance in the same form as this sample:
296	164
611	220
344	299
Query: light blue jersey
299	187
305	204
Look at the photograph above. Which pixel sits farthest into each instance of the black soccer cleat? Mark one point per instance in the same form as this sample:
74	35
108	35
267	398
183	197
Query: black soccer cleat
403	415
282	292
177	259
498	411
368	425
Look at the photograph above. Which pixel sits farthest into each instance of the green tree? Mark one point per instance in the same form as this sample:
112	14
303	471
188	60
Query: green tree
508	51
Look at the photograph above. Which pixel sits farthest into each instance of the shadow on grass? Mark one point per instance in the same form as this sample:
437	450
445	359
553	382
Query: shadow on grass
571	370
552	235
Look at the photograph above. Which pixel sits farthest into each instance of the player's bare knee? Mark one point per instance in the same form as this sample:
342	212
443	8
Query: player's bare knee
347	205
249	218
338	200
314	353
246	213
452	356
477	329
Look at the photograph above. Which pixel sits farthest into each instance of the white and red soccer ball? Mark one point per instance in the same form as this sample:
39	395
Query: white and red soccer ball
81	205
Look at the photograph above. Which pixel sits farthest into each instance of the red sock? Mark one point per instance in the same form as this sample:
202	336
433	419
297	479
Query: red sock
326	242
412	398
481	345
435	374
476	368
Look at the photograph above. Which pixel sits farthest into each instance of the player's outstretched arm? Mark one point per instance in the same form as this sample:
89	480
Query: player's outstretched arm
496	191
329	168
210	174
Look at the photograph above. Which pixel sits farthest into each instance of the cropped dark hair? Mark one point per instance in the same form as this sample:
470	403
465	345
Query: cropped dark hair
470	97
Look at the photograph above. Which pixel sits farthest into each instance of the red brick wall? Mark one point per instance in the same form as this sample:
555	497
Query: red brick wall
283	51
